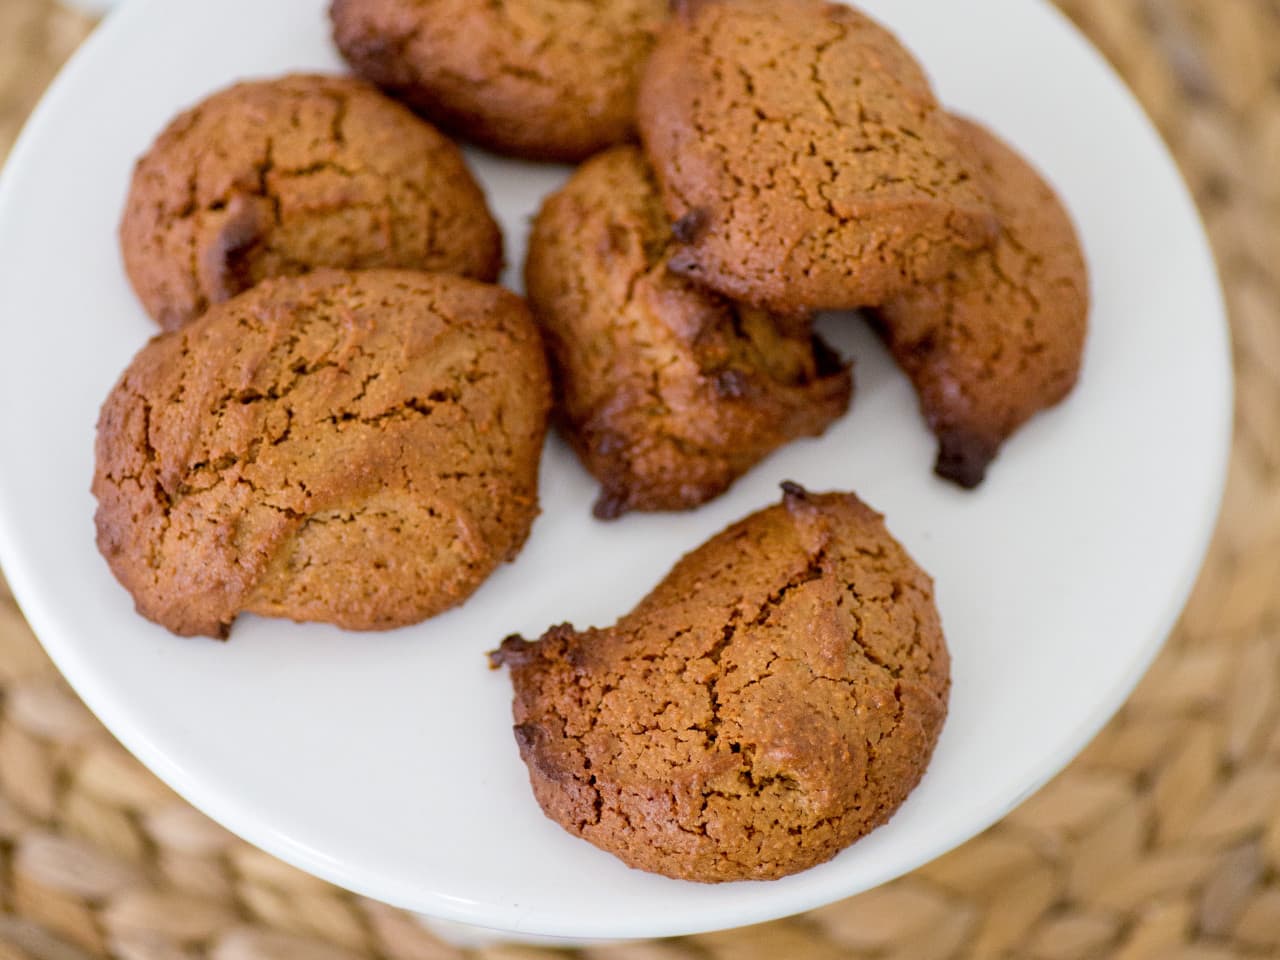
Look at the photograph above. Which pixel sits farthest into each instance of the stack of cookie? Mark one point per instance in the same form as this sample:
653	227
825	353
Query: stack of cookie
795	159
344	419
807	165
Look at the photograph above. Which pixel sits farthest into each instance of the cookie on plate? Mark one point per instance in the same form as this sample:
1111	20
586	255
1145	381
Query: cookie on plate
540	79
1001	337
355	448
667	391
801	147
278	177
775	698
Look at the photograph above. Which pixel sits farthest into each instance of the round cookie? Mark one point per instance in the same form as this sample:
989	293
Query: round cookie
355	448
278	177
802	150
775	698
668	392
540	79
1001	337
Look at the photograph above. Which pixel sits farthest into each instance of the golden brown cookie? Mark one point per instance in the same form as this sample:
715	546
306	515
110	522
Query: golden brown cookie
775	698
540	79
802	150
667	391
278	177
1001	337
355	448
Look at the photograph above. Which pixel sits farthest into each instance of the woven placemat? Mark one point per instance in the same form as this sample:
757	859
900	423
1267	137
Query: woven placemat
1162	841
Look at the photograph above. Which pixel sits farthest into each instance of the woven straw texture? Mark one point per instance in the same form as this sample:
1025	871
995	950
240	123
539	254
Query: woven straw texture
1161	841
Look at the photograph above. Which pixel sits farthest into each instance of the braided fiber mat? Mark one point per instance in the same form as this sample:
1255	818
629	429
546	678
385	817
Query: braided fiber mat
1161	841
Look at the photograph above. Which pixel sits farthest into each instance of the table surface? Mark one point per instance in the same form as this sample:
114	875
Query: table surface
1161	841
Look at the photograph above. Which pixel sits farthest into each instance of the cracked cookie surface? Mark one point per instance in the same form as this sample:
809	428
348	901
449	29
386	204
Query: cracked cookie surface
279	177
775	698
1002	336
540	79
355	448
809	147
667	391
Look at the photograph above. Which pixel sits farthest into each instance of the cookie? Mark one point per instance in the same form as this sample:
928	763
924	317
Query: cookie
355	448
540	79
1001	337
278	177
775	698
802	148
668	392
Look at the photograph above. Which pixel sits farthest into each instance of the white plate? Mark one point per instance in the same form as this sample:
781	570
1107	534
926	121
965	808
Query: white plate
386	763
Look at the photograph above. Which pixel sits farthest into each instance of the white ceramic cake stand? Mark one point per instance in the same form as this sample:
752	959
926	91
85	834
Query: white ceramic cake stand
386	763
